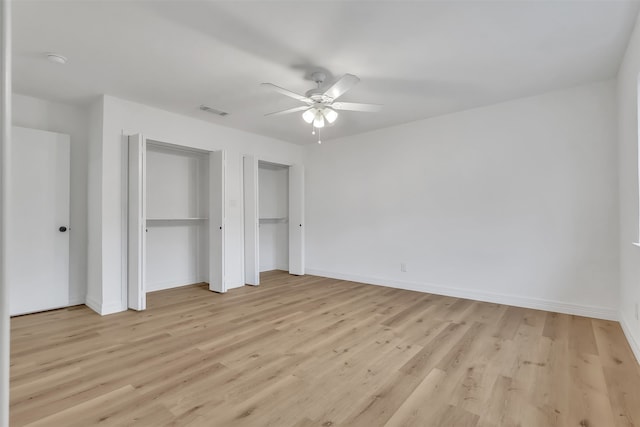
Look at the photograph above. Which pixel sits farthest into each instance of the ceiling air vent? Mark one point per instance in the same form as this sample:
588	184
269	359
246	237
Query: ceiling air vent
213	110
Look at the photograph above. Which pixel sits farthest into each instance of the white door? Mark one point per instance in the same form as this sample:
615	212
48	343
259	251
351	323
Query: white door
296	220
251	234
38	237
136	261
217	216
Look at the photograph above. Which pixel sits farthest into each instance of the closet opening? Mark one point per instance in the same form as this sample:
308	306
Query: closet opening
273	218
177	226
176	216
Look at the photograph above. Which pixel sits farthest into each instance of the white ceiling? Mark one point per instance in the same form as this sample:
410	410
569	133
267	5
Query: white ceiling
419	59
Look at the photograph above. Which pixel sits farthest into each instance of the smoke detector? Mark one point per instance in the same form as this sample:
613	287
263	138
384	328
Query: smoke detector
56	58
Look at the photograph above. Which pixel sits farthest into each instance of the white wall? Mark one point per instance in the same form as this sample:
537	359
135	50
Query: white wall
273	194
94	207
514	203
174	255
55	117
176	185
628	174
122	117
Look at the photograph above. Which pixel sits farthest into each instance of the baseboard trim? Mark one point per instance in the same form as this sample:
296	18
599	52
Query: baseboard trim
104	309
93	304
113	307
234	285
161	286
635	346
506	299
77	300
264	268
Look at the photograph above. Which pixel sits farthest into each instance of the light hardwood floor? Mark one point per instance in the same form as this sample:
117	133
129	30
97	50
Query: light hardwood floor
311	351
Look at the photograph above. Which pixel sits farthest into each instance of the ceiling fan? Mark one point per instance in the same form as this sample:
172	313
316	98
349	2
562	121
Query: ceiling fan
320	103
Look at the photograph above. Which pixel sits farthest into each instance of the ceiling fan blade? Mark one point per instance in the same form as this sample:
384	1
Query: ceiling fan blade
356	106
288	93
289	110
343	84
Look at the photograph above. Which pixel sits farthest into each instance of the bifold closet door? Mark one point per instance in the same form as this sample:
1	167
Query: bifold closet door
217	226
251	234
137	295
38	206
296	220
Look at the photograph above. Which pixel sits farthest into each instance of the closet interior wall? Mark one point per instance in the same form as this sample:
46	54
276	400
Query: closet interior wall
177	217
273	202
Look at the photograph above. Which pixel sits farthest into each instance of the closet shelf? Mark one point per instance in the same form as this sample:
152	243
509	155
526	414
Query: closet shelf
273	220
177	219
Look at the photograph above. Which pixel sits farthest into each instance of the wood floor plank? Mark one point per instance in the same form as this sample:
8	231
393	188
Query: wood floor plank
409	412
588	393
581	336
310	351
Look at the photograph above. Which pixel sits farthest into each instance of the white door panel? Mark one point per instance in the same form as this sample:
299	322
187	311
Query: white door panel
296	220
217	226
38	241
251	233
137	294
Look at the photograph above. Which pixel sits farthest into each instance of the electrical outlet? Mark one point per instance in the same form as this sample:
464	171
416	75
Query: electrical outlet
403	268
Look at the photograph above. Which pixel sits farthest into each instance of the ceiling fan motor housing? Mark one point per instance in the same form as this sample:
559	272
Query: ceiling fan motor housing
317	94
318	97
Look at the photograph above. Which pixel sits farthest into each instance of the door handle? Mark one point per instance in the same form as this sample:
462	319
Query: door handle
62	229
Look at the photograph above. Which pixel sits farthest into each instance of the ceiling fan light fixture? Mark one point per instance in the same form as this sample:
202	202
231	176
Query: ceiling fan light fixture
330	114
318	122
309	115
